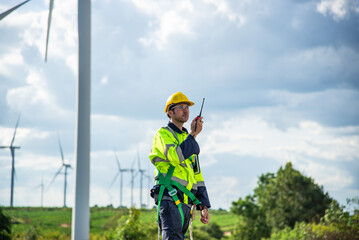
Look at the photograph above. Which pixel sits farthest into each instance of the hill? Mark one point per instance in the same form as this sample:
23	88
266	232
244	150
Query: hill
55	223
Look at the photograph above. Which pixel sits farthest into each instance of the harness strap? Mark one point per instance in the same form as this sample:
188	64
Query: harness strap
166	182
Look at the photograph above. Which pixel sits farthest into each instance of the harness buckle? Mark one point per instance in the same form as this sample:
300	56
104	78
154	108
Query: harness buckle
173	192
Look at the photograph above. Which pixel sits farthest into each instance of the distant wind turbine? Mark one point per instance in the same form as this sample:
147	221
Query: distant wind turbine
149	180
120	172
66	166
42	191
133	175
142	172
12	151
4	14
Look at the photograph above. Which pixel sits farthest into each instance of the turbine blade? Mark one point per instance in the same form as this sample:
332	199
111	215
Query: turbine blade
133	163
4	14
58	172
139	161
61	152
17	124
51	6
114	179
118	162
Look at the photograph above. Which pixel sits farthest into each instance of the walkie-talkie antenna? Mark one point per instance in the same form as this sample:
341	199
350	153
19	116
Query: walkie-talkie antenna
200	113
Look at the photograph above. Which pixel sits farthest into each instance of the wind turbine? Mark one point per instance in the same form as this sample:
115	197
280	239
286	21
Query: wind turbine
4	14
120	172
42	191
12	151
66	166
148	177
133	175
81	210
142	172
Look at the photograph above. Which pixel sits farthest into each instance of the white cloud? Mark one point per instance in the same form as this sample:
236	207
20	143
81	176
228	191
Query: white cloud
178	18
170	18
34	93
35	96
228	189
104	80
255	137
315	149
13	58
339	9
332	178
22	135
170	23
223	9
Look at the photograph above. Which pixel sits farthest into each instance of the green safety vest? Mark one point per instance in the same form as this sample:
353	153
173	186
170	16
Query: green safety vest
172	169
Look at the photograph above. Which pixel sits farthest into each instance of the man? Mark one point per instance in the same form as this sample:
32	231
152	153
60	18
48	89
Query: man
179	181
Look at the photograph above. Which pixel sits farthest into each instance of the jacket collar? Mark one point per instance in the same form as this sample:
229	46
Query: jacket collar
176	129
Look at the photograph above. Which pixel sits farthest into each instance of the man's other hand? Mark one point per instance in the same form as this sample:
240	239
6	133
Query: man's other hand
204	216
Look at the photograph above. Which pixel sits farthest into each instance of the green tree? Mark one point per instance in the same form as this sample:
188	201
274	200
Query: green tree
289	197
252	224
280	200
5	226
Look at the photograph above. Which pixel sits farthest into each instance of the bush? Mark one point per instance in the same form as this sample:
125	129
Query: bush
213	229
31	234
130	228
336	224
5	226
112	222
199	234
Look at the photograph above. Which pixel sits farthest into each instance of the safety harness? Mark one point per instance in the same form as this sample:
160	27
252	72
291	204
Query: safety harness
167	183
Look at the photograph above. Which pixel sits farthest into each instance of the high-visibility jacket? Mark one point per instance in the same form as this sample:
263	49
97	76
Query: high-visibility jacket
171	146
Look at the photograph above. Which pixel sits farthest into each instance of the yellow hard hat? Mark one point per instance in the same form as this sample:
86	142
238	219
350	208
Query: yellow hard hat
175	98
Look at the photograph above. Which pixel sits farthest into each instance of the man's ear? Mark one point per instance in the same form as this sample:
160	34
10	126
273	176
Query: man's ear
170	113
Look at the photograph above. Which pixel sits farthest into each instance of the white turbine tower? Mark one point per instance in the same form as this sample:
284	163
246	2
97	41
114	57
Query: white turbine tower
133	175
120	172
12	151
149	181
42	186
81	209
142	173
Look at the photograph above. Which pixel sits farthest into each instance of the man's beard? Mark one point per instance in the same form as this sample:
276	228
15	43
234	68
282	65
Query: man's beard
182	119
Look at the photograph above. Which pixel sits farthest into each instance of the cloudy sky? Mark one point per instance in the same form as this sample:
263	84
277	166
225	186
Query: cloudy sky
280	78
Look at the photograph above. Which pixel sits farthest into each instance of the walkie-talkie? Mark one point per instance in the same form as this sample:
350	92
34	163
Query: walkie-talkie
200	114
195	157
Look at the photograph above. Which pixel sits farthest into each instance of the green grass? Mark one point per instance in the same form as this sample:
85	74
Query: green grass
57	221
43	219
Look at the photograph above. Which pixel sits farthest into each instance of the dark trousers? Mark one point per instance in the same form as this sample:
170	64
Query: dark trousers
171	222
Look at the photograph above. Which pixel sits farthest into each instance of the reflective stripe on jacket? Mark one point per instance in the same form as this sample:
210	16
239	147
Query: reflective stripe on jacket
171	147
